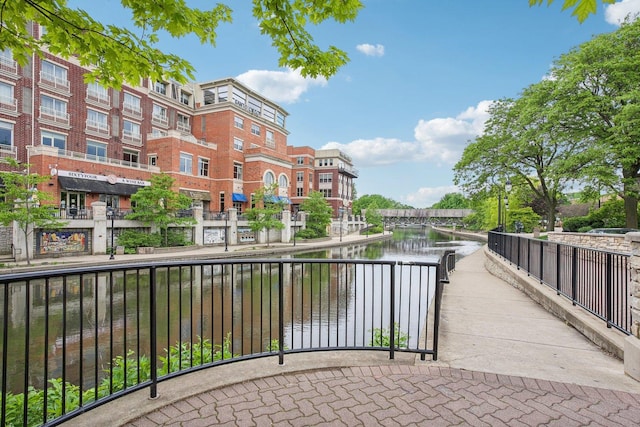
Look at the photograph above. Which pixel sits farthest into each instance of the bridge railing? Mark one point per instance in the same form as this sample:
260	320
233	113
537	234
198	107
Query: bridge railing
74	339
597	281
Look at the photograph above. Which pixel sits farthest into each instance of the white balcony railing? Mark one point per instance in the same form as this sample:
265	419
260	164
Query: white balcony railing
98	97
183	127
53	115
8	65
54	81
160	120
7	151
97	127
131	138
8	104
132	109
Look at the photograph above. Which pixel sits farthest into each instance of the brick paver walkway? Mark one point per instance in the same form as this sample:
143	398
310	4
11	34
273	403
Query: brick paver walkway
400	396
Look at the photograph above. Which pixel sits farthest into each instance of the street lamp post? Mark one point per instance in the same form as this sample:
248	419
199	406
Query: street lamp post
111	214
226	242
341	212
507	189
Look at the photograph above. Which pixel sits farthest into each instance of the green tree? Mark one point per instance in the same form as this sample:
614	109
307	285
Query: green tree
21	202
381	202
264	216
318	214
525	142
160	205
600	84
452	201
118	54
374	218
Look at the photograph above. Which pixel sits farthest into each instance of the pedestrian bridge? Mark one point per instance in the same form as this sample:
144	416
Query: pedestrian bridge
413	217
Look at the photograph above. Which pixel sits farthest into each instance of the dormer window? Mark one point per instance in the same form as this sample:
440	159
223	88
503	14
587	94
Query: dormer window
160	87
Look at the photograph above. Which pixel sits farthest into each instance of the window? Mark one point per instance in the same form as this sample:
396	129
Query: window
237	144
269	179
239	97
271	141
6	134
255	129
159	111
153	160
54	73
97	92
130	156
97	121
221	200
283	181
203	167
255	106
238	122
299	191
7	101
300	160
131	104
269	113
209	97
183	123
160	87
158	132
223	94
300	176
325	177
237	171
186	163
280	119
53	108
131	130
326	192
185	98
54	140
96	150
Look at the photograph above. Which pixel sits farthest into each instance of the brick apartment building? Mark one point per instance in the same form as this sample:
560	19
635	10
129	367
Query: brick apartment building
219	140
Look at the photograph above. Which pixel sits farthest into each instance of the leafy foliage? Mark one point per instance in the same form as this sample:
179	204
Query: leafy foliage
267	206
21	202
382	337
159	205
609	215
452	201
318	216
582	9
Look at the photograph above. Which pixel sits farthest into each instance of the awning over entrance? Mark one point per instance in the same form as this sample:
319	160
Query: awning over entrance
196	195
98	187
238	197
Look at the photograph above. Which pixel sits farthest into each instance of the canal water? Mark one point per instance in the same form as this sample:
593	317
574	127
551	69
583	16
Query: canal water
83	320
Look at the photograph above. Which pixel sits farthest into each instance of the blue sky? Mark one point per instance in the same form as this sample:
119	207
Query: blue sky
421	76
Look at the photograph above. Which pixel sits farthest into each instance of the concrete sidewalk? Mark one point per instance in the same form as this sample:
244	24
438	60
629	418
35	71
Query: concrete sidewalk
503	360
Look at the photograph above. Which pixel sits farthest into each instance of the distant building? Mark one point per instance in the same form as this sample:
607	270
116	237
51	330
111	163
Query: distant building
219	140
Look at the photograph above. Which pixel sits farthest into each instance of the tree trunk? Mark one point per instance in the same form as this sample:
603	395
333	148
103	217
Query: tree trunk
631	211
551	216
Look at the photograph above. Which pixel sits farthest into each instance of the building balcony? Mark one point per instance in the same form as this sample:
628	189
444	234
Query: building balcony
60	118
132	138
8	105
183	127
8	65
45	150
54	82
98	98
99	128
157	119
347	170
132	110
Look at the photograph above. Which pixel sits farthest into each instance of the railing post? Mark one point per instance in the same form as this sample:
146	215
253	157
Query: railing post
574	274
528	257
5	342
436	317
609	296
153	339
281	314
392	312
558	278
518	262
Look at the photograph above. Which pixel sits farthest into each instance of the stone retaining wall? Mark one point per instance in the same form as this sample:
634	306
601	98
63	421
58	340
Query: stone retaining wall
606	242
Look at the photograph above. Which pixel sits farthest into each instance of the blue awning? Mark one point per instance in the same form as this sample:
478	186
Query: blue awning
285	199
238	197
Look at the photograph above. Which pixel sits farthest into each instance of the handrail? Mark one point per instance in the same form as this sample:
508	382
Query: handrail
82	331
593	279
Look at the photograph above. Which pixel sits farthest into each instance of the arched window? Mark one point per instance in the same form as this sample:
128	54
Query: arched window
269	179
283	182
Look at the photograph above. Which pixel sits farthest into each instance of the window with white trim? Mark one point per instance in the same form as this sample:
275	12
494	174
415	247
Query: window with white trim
130	156
203	166
160	87
6	134
131	130
300	176
269	178
283	181
238	122
7	100
186	163
271	141
54	72
238	144
53	106
96	150
131	104
56	140
98	92
97	121
255	129
237	170
325	178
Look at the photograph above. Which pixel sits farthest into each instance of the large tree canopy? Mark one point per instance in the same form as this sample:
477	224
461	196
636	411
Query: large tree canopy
117	54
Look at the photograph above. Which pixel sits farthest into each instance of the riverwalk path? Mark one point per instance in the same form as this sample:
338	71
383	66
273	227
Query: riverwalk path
503	360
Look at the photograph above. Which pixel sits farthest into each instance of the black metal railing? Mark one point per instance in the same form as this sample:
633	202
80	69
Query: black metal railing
595	280
74	339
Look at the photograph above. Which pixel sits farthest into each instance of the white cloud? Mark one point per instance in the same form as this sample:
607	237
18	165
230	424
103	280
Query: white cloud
371	50
439	140
280	86
427	196
616	13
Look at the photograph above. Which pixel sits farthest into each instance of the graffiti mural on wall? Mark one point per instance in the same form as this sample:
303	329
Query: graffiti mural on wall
60	242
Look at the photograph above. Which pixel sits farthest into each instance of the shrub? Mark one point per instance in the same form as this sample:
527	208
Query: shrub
382	337
131	239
